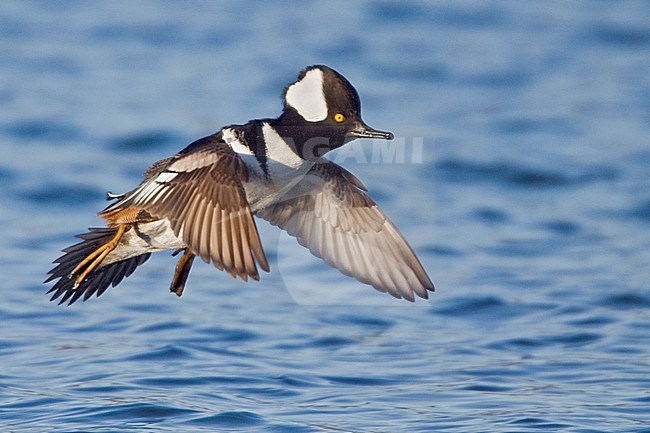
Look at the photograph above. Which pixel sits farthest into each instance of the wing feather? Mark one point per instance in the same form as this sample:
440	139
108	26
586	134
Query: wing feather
330	214
200	192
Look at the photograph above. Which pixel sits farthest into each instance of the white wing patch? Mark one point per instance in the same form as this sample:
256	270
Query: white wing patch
231	140
307	96
165	176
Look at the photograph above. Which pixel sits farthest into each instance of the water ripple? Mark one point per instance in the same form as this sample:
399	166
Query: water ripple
168	353
231	419
627	301
144	141
575	339
139	411
482	305
466	171
62	194
487	388
43	129
642	212
622	36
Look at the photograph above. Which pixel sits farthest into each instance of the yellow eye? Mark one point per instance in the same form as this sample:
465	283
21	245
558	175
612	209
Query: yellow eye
338	117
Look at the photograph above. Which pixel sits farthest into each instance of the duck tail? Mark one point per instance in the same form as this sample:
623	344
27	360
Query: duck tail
68	288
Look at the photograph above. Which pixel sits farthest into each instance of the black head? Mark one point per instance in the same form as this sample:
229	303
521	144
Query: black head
322	111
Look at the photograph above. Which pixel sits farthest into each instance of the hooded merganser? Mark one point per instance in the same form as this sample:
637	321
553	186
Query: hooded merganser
201	202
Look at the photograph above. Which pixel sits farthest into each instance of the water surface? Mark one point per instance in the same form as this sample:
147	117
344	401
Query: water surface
529	205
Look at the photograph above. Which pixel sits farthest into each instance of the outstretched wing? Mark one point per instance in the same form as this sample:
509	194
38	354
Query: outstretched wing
200	192
331	215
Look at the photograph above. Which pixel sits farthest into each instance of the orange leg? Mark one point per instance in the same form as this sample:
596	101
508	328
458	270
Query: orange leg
182	271
90	263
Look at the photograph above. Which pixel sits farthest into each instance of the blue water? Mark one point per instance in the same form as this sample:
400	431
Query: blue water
523	186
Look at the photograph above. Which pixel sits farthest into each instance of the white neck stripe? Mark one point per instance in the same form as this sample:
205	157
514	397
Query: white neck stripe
278	150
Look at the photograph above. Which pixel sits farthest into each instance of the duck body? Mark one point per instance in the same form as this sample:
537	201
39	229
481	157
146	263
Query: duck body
202	200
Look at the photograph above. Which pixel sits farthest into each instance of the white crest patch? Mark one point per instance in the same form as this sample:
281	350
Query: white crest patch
307	96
